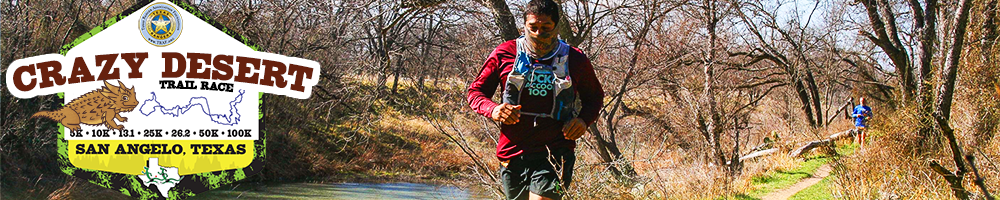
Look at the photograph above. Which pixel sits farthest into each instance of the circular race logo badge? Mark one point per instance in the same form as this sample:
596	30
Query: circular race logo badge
160	24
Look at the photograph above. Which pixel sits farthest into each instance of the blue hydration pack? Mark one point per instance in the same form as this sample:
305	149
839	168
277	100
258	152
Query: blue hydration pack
566	102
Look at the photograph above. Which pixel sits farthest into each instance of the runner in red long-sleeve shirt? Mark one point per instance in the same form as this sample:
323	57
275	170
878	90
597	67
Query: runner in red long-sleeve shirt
557	96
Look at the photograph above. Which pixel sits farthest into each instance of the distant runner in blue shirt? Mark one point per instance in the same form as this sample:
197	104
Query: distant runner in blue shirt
861	115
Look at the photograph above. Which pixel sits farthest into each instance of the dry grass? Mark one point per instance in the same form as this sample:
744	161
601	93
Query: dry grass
890	168
673	174
79	189
367	137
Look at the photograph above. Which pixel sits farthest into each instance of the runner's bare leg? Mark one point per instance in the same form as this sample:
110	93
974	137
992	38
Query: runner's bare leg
861	136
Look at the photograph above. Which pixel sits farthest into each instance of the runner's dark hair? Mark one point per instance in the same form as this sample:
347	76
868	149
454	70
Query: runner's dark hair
543	7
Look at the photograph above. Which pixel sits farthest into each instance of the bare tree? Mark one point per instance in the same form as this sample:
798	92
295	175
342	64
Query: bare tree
503	18
651	13
884	32
792	49
943	113
915	76
728	88
580	19
925	17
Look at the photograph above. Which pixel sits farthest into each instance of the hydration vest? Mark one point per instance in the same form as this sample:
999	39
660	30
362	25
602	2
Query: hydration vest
566	104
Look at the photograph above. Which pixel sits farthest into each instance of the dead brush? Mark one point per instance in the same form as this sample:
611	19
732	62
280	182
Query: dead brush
775	162
891	167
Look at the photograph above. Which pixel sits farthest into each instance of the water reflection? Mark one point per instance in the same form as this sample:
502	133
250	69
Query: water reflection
346	191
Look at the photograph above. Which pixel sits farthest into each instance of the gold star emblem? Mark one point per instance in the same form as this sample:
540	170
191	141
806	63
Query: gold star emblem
161	25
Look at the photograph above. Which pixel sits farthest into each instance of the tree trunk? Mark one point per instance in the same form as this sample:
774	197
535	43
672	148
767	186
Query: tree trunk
947	88
383	75
610	115
566	31
942	116
954	179
504	19
710	127
420	82
892	48
800	88
610	153
815	97
396	72
926	26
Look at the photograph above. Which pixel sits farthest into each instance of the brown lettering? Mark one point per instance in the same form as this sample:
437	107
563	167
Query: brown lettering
80	72
17	77
134	61
273	71
195	65
243	70
222	64
109	61
169	71
299	72
50	74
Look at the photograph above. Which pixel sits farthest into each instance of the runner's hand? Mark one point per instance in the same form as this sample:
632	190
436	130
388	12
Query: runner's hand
506	113
574	129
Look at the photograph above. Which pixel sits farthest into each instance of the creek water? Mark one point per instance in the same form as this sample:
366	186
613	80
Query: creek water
346	191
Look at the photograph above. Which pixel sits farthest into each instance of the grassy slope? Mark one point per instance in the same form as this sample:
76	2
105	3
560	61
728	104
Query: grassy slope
776	180
391	142
819	191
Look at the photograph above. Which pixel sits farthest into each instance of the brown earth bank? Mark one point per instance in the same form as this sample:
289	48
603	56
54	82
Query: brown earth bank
301	147
691	86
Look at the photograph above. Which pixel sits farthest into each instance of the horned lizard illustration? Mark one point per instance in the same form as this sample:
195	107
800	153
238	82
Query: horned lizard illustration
97	107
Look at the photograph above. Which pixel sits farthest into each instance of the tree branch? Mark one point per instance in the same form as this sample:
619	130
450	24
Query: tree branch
950	72
980	181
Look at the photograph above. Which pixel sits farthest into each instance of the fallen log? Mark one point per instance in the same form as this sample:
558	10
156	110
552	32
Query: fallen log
811	145
801	150
847	114
759	153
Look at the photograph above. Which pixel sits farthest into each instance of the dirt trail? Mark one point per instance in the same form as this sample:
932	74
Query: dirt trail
786	193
